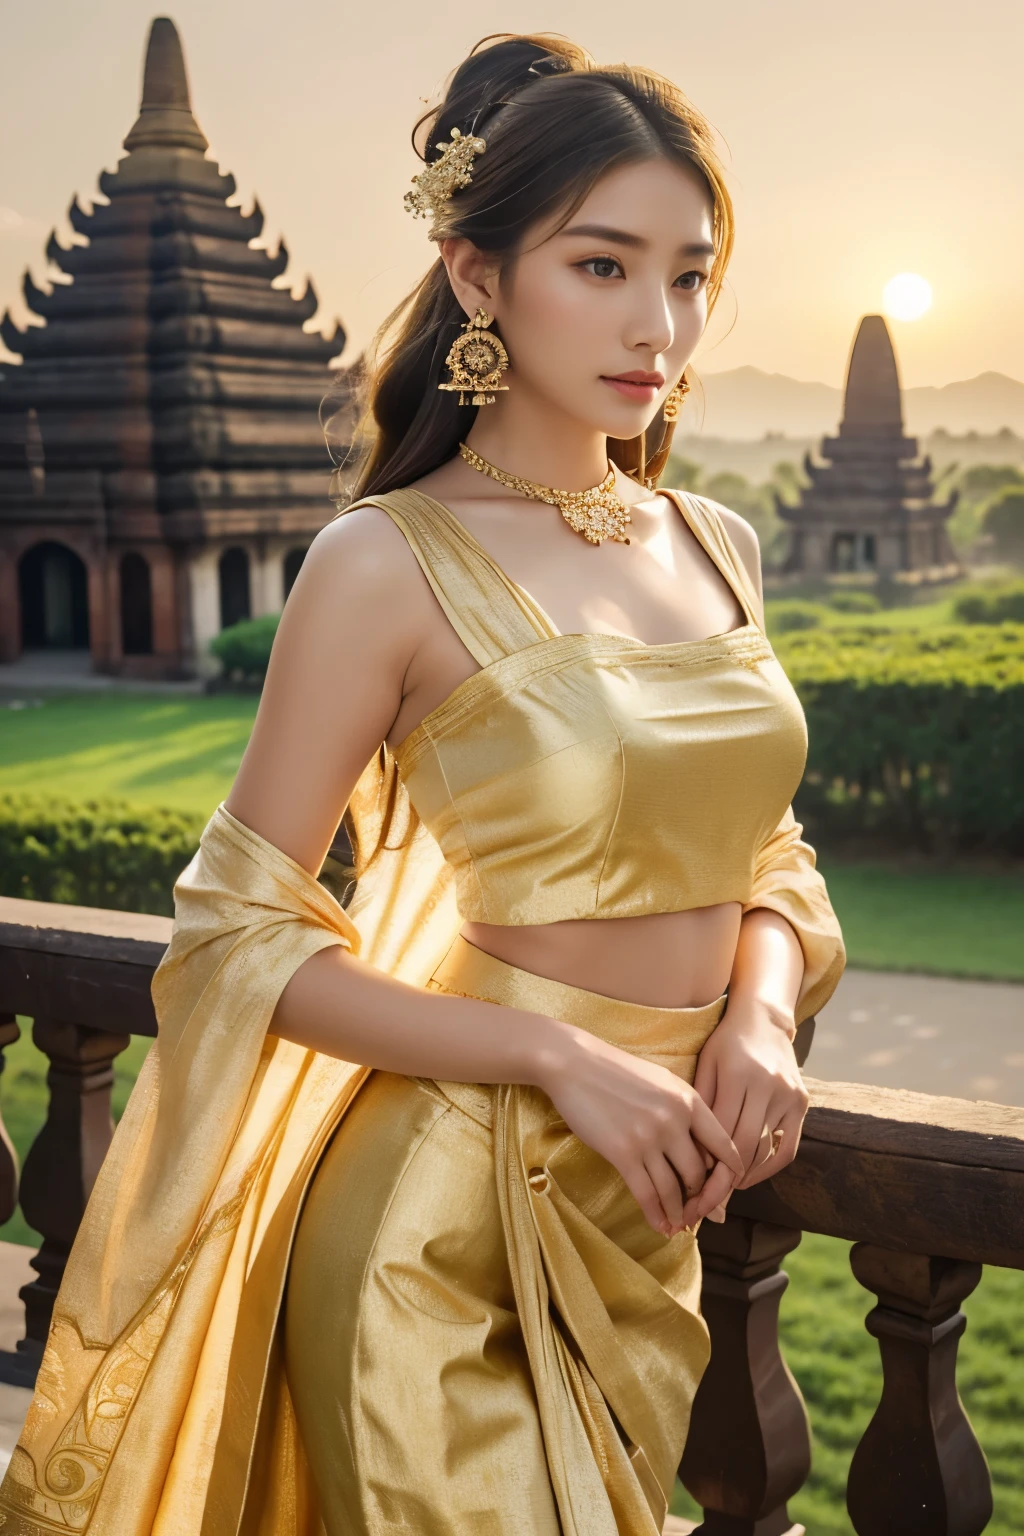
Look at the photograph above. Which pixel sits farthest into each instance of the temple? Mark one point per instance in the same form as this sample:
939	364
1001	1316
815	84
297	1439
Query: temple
162	469
869	507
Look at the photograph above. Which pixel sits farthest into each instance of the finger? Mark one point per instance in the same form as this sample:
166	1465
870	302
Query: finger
748	1132
665	1180
717	1189
641	1187
769	1166
706	1128
728	1105
706	1078
688	1162
792	1125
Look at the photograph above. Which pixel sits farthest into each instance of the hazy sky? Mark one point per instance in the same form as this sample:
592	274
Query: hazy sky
861	140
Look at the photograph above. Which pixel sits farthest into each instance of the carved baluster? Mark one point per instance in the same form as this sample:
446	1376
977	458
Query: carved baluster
9	1032
749	1446
918	1471
65	1157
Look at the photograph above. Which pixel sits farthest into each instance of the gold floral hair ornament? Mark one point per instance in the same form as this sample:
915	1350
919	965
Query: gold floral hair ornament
452	169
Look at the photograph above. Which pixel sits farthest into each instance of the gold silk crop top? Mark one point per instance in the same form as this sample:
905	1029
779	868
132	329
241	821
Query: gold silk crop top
594	776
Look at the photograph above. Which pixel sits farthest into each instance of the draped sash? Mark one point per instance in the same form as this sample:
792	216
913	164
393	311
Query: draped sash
162	1369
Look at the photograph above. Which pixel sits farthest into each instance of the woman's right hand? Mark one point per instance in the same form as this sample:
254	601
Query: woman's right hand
651	1125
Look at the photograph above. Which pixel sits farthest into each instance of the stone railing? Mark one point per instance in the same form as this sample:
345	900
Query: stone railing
927	1189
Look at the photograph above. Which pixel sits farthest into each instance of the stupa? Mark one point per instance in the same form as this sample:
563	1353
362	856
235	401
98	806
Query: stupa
869	506
162	468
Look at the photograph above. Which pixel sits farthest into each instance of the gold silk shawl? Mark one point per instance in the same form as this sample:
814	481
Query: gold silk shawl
162	1373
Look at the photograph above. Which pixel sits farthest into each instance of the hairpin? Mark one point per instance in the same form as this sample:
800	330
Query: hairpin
452	169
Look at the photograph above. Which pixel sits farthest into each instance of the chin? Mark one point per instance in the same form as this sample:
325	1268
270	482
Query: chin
625	424
621	421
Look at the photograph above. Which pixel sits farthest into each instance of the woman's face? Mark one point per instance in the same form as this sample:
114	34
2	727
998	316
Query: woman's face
601	316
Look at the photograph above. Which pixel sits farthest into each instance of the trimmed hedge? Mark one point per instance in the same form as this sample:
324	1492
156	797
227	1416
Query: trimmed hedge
916	737
995	604
853	600
99	853
792	614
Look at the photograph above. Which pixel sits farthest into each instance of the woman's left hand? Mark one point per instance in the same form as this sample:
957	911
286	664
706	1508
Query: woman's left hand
748	1075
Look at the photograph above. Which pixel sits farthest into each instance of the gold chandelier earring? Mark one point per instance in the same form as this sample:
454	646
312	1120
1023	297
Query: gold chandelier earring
477	361
675	400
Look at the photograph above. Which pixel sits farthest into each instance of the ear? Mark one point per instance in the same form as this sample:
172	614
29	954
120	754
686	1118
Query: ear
472	274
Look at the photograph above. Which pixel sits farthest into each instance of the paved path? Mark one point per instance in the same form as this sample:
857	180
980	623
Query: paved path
929	1033
45	672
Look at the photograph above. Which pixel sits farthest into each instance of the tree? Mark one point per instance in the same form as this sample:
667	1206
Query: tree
1004	523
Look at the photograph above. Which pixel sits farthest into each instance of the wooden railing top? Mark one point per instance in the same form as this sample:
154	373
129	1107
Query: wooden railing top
82	965
970	1132
93	932
907	1171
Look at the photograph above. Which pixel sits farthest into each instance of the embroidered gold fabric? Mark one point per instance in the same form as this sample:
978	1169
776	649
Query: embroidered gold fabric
163	1406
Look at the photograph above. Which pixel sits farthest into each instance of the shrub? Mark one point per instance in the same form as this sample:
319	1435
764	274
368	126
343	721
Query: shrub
991	605
915	735
850	600
244	649
1004	523
99	853
790	615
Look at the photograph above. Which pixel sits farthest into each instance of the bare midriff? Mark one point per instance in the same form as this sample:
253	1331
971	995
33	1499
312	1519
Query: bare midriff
664	960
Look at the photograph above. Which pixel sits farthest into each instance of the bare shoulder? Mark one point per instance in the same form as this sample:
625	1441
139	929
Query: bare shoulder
365	555
360	579
743	538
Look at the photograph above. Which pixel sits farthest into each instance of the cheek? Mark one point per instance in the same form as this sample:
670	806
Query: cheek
554	315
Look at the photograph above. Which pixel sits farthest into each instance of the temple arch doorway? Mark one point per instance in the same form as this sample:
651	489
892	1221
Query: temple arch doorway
853	552
136	606
233	575
54	591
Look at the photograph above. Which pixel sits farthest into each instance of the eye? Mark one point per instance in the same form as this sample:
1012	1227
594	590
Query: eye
601	266
688	286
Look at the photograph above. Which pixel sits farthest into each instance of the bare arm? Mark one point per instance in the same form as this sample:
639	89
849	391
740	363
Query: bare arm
348	655
748	1071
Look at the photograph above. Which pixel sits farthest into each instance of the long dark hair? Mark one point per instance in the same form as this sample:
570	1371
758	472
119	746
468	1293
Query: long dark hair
554	122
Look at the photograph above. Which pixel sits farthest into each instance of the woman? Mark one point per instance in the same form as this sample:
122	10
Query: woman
461	1294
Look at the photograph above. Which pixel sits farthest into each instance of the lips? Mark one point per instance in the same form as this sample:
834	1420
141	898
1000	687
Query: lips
636	385
638	376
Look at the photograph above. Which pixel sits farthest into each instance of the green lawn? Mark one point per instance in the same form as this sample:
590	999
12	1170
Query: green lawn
943	919
179	753
911	615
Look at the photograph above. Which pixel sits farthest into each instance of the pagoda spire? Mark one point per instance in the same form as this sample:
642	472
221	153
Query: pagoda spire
165	118
873	401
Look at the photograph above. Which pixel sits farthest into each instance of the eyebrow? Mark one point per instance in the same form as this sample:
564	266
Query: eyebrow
634	242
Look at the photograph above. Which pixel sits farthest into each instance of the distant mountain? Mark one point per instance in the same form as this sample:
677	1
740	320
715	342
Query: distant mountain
747	402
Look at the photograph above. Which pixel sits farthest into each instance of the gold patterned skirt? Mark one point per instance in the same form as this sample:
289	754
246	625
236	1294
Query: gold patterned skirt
484	1337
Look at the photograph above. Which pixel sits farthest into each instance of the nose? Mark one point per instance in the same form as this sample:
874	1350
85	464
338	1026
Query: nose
650	325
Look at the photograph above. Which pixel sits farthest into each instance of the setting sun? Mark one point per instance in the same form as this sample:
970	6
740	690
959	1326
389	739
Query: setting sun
907	296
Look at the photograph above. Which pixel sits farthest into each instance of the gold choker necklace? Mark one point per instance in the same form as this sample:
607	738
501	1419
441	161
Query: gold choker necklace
596	513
